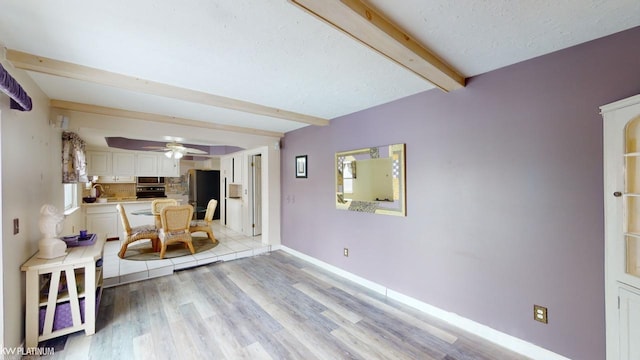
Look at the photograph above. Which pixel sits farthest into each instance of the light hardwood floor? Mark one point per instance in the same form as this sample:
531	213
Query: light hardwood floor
271	306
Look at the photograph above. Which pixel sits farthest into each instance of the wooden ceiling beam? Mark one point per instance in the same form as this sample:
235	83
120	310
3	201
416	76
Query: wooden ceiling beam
365	24
25	61
101	110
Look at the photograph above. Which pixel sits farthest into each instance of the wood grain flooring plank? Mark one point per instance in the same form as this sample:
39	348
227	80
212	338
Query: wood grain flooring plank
363	350
388	309
295	350
379	344
143	347
164	346
249	285
329	281
221	336
257	352
400	341
121	306
328	302
79	346
140	320
185	345
121	343
197	332
488	351
281	292
317	341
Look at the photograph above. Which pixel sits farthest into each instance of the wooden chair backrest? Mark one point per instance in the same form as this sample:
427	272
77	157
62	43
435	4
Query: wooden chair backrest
123	218
211	209
175	218
157	205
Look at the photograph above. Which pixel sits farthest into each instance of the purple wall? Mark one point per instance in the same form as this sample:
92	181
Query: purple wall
504	195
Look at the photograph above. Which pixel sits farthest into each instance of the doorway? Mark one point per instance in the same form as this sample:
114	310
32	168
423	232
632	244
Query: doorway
256	195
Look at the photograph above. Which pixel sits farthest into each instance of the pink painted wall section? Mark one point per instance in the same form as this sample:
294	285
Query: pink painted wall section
504	195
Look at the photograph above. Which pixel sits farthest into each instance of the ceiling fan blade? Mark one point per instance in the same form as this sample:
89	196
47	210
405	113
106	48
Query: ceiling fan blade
194	151
155	148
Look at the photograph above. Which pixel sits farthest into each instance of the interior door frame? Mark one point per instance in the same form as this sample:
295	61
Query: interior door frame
255	200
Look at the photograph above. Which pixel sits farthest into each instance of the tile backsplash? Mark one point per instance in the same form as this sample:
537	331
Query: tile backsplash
118	190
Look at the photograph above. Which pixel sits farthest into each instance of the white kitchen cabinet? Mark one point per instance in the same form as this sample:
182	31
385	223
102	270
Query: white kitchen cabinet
124	164
103	219
234	214
147	165
622	227
99	163
237	169
116	179
168	167
111	164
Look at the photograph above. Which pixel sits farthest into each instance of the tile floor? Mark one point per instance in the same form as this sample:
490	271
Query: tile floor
233	245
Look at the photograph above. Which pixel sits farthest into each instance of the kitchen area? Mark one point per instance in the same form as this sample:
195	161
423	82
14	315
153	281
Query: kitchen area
134	179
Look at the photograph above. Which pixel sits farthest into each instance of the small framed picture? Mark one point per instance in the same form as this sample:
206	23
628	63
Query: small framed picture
301	166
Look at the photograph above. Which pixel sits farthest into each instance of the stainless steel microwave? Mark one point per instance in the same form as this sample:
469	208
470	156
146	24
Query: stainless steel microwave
150	180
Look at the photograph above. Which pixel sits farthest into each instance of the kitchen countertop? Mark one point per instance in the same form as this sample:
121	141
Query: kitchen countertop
129	200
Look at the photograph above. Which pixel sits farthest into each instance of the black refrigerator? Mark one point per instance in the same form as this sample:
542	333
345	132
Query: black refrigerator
204	185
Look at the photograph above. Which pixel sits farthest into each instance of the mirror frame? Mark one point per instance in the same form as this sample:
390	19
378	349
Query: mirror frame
397	153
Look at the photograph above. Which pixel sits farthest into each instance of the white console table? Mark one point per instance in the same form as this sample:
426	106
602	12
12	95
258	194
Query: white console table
44	293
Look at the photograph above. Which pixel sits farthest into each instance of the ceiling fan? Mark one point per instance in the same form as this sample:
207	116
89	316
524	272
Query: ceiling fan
174	150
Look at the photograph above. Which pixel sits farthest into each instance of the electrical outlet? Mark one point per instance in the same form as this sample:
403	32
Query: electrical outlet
346	252
540	313
16	226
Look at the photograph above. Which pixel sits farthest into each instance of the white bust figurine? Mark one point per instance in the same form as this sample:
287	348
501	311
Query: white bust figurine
51	221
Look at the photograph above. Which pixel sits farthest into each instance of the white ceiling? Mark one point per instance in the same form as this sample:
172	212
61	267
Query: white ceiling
272	53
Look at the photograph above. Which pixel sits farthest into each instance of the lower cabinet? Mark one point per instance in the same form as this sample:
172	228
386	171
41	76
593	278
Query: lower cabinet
234	214
104	218
629	323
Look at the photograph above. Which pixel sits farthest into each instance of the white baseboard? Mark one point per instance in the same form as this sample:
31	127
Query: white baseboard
505	340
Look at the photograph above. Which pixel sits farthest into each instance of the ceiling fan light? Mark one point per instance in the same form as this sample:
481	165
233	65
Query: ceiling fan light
169	154
177	155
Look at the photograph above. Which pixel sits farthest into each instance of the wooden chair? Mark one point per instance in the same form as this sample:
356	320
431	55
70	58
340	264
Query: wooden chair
175	227
144	232
156	208
205	224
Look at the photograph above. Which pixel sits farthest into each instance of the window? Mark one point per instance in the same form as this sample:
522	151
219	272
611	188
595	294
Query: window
349	173
70	196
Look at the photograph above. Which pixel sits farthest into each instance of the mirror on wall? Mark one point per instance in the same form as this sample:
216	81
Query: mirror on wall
372	180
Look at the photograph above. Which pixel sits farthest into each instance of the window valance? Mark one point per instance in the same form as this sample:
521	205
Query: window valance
19	98
74	163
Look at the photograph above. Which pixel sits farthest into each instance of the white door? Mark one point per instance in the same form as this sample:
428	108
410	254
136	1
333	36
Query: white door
256	194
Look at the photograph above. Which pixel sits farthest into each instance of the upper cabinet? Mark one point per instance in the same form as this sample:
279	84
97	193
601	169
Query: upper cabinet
125	165
147	165
237	169
168	167
107	163
99	163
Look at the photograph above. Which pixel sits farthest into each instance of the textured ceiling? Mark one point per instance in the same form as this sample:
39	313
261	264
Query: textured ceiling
272	53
